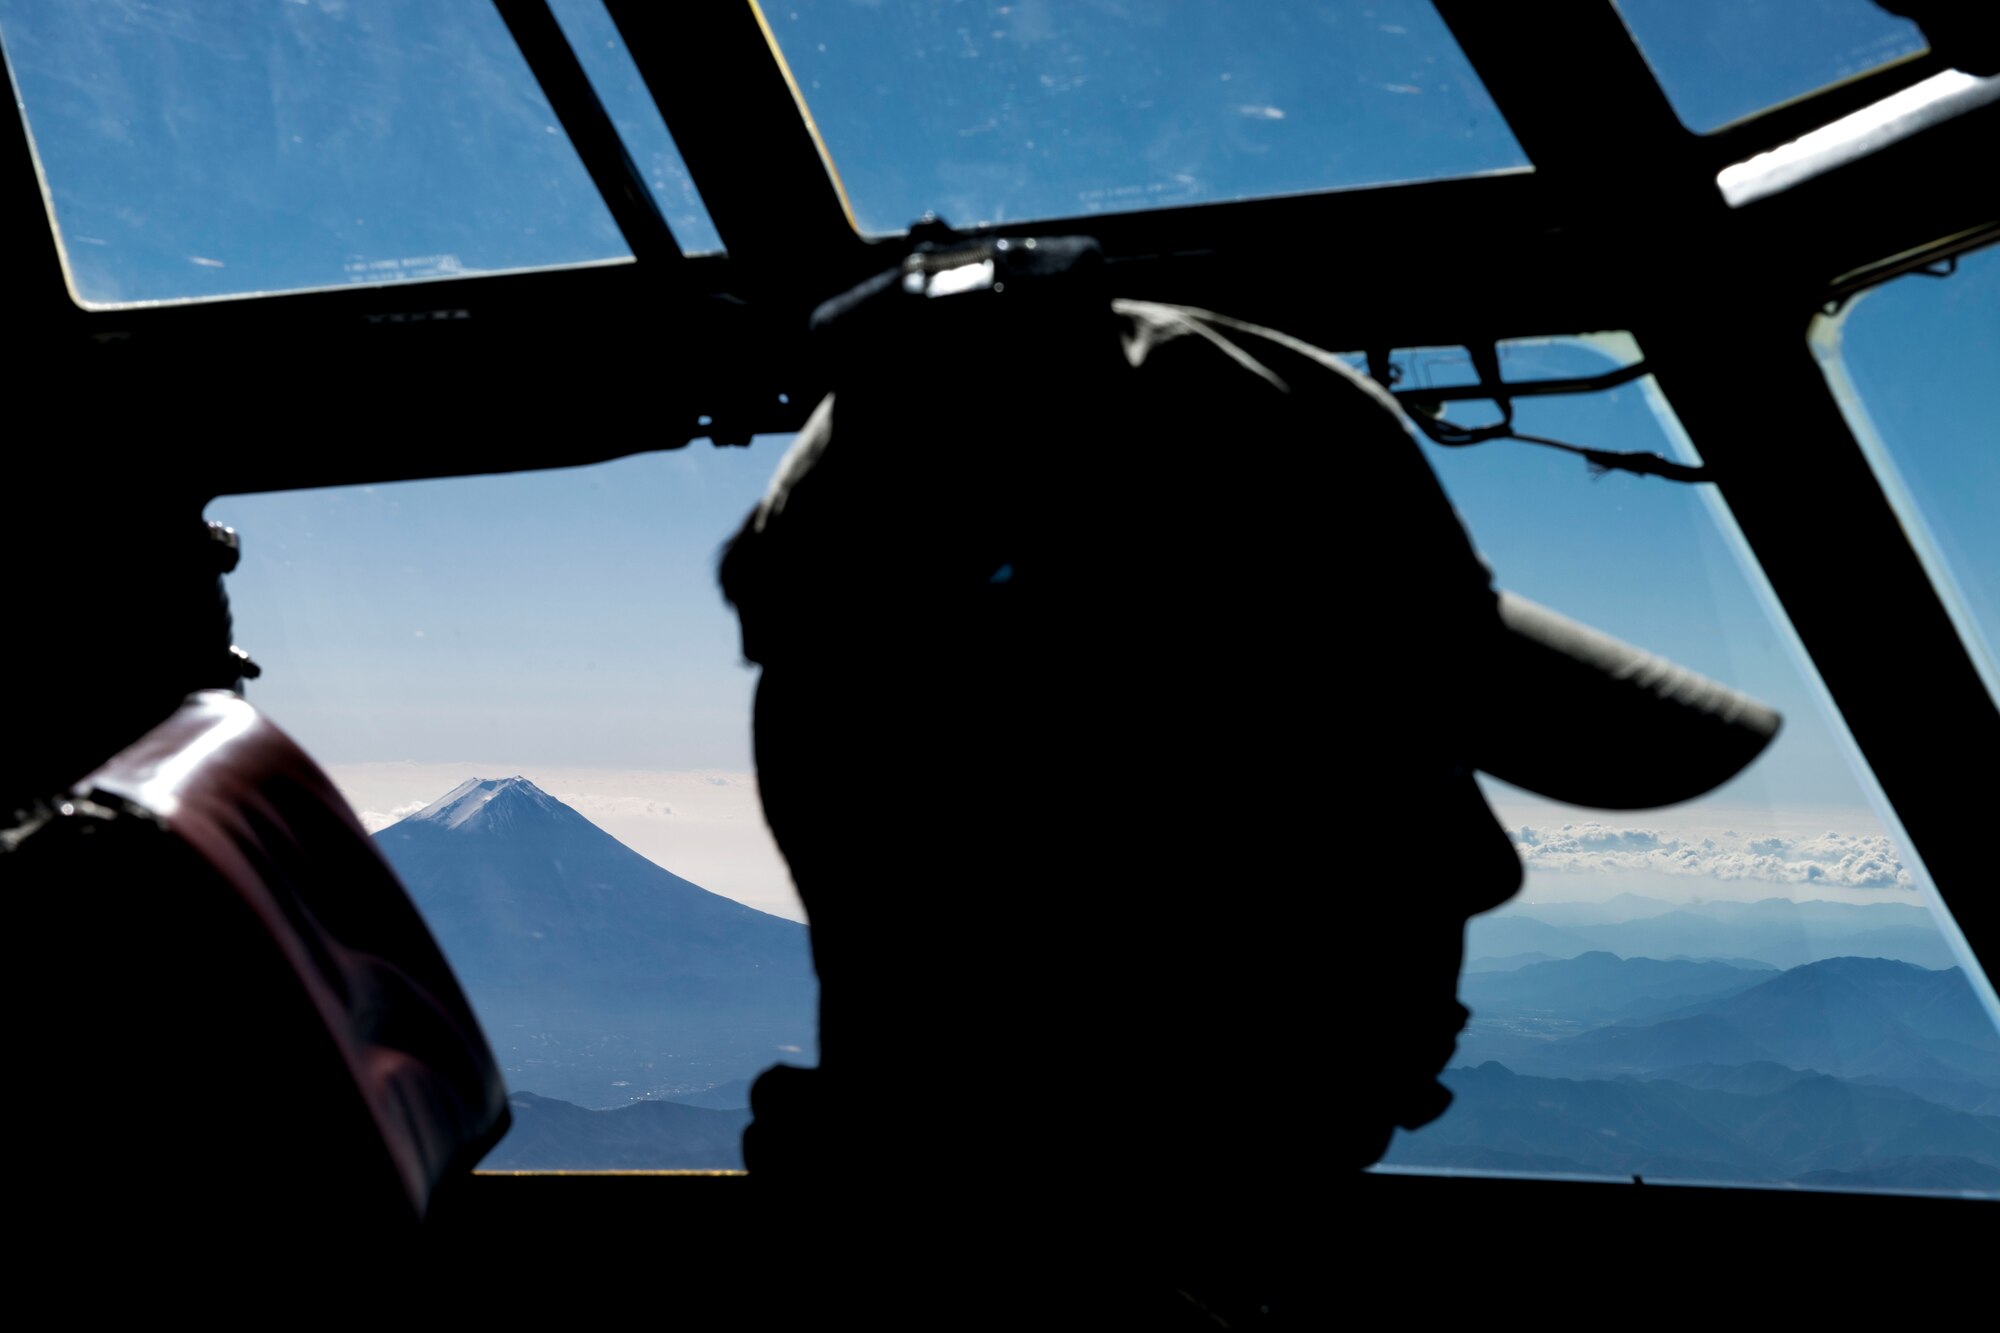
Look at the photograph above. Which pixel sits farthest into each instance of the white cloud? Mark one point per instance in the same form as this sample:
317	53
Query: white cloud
1830	859
375	821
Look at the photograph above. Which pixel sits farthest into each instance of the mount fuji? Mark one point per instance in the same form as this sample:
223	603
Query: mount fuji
600	977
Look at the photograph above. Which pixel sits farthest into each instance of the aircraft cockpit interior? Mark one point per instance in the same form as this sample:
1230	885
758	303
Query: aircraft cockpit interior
1012	664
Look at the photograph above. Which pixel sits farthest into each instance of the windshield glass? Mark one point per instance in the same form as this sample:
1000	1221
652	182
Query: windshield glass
553	751
1760	986
984	112
1912	364
195	150
1722	60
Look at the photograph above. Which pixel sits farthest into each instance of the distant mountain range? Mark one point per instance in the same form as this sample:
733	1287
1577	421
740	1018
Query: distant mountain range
550	1135
1873	1019
1775	931
600	977
1849	1072
1602	987
1505	963
1812	1128
1618	907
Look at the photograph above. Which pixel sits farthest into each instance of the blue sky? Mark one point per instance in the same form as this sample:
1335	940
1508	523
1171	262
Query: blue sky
570	620
1920	354
575	611
560	617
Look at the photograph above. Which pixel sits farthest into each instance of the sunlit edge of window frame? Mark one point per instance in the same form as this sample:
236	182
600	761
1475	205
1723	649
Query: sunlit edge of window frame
806	116
1683	448
1944	96
17	102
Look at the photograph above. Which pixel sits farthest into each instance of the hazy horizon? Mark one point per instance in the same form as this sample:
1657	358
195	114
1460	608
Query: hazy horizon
706	825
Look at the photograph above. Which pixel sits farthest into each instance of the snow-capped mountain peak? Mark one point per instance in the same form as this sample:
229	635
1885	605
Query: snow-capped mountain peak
478	801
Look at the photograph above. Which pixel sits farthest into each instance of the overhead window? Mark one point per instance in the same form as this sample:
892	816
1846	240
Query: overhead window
190	150
1721	60
983	112
622	90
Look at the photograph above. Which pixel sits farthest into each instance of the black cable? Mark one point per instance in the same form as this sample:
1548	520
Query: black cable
1622	460
1431	421
1454	436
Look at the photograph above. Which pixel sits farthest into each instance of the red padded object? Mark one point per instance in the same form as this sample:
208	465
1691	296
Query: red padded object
276	850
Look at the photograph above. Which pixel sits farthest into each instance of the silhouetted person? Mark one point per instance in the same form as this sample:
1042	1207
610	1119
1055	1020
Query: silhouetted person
115	610
1125	671
238	1038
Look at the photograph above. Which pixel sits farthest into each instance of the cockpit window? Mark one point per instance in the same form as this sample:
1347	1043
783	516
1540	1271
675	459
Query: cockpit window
189	150
1721	60
982	112
1757	987
1911	363
534	696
